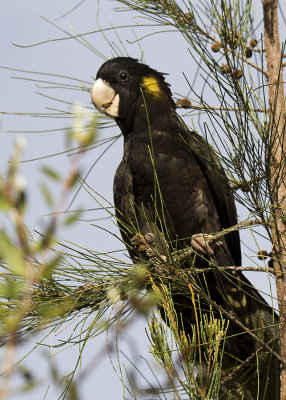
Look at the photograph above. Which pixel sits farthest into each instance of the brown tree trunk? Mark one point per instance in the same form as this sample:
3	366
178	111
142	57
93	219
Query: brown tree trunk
277	115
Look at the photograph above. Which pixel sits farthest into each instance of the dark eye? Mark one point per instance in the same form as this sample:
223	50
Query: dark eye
123	76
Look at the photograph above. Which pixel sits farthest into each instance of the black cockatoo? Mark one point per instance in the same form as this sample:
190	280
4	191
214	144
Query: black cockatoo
170	184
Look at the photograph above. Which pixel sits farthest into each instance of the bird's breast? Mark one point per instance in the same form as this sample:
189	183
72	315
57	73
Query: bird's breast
166	172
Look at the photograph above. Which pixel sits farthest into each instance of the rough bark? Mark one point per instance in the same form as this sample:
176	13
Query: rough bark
277	115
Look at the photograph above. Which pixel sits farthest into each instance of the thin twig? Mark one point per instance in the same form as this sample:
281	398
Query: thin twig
232	268
199	107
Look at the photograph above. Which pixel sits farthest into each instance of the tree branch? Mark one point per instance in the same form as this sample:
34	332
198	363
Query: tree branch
277	182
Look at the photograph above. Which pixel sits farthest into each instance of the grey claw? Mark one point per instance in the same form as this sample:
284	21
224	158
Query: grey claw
199	243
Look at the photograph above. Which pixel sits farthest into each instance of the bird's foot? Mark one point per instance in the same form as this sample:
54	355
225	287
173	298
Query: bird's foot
200	244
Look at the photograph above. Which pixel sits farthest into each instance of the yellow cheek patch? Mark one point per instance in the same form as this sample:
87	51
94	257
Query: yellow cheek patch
151	85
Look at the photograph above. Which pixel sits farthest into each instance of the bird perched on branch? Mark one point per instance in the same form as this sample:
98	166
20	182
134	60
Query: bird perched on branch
171	186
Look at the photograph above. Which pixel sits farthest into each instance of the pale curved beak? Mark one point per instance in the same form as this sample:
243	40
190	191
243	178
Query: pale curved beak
105	99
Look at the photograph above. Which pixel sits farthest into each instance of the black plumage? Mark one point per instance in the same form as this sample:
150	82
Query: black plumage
170	183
